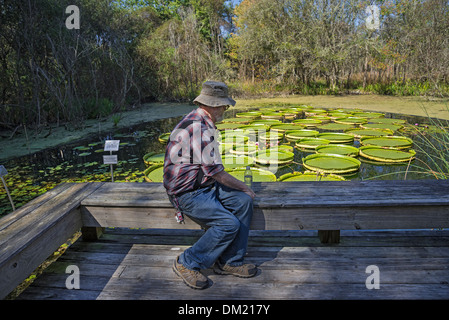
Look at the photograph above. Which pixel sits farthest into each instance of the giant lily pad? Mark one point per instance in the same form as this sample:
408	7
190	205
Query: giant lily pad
232	161
293	135
361	133
244	149
228	125
265	122
397	142
335	126
310	176
273	156
308	122
311	143
336	137
386	154
153	158
351	120
368	114
331	163
286	126
154	173
237	120
259	175
163	138
343	149
249	114
389	126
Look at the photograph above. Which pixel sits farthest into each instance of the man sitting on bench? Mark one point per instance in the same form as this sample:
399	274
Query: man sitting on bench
198	187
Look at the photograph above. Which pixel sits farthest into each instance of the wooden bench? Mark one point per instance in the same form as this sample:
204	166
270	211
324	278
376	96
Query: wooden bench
33	232
324	206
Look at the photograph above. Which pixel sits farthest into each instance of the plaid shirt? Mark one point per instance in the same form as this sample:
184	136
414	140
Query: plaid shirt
190	149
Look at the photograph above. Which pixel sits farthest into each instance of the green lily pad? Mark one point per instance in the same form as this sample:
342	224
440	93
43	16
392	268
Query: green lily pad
336	137
343	149
311	143
331	163
286	126
154	173
392	127
244	149
273	156
368	114
351	120
265	122
153	158
232	161
249	114
310	176
387	120
308	122
236	120
259	175
163	138
386	154
360	133
228	125
335	126
397	142
293	135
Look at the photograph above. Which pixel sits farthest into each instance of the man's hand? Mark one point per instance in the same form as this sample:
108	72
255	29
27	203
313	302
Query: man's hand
226	179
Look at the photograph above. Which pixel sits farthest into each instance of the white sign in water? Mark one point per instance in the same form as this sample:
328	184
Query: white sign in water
112	159
111	145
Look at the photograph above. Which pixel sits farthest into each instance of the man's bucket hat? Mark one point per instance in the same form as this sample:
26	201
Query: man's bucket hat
214	94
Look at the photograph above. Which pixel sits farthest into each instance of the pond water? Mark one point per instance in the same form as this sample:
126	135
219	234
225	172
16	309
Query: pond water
82	161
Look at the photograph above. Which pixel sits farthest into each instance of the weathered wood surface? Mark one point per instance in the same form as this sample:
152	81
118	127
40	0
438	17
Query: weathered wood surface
136	264
287	206
33	232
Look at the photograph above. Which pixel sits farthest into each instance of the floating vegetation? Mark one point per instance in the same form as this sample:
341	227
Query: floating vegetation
341	149
153	158
250	114
310	176
390	155
361	133
294	135
232	161
154	173
163	138
273	156
351	120
336	137
311	143
331	163
259	175
397	142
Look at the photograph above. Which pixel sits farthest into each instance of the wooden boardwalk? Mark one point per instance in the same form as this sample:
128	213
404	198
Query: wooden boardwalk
136	264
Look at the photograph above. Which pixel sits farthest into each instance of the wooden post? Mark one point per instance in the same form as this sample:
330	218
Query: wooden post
329	236
91	233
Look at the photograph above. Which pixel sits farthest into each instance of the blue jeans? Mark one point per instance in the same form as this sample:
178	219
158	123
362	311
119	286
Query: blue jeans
226	214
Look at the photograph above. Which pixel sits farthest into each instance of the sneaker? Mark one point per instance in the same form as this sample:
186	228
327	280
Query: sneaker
243	271
193	279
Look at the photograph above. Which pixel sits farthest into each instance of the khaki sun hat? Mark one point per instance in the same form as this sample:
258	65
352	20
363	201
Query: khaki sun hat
214	94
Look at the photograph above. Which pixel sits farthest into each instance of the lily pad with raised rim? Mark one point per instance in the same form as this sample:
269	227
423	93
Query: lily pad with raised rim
336	137
249	114
163	138
154	173
342	149
351	120
259	175
389	126
386	154
294	135
273	156
310	176
331	163
397	142
153	158
311	143
361	133
232	161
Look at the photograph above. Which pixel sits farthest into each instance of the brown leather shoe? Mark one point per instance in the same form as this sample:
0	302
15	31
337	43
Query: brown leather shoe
193	279
243	271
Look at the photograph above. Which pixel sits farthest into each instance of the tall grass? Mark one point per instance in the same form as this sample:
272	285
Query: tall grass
432	142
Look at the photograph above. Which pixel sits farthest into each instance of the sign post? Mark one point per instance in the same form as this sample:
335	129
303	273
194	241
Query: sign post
111	145
4	172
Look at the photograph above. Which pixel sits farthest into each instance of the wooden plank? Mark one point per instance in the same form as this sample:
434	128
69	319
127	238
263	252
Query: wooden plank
114	270
319	218
27	242
300	194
